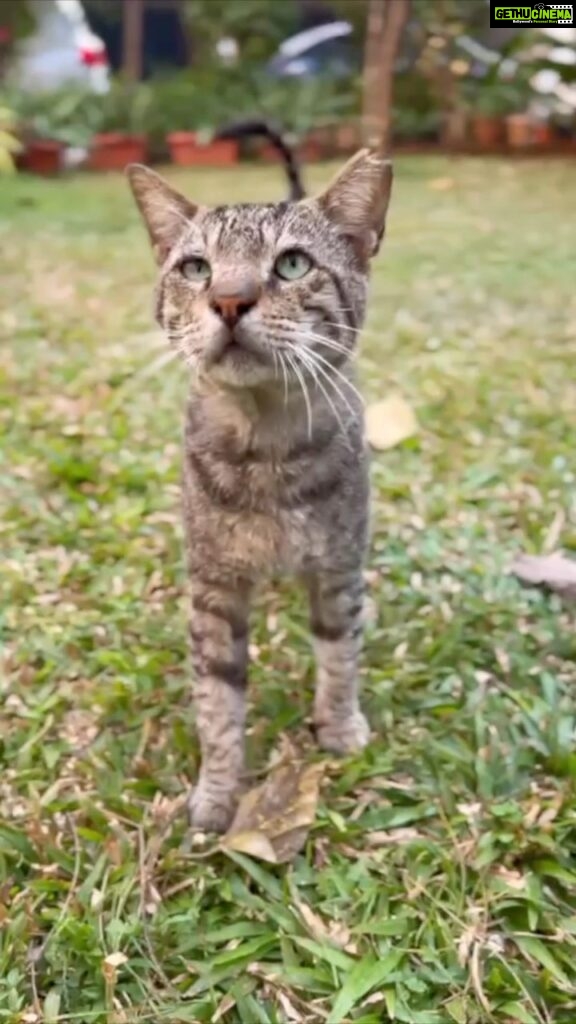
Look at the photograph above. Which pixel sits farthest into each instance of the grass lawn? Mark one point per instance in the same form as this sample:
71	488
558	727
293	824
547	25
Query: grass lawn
438	884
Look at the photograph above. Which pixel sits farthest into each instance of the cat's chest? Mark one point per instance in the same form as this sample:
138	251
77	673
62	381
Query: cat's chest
261	515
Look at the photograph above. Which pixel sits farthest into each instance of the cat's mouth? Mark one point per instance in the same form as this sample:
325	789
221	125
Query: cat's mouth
236	347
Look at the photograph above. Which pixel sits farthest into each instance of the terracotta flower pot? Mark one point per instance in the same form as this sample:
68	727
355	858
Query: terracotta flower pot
487	132
43	157
186	151
267	152
318	141
519	131
310	151
543	133
454	129
112	151
348	137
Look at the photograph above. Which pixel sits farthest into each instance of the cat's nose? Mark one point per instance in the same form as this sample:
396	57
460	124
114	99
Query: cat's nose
233	303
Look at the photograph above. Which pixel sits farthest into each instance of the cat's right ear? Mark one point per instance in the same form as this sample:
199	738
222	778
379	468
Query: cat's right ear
164	211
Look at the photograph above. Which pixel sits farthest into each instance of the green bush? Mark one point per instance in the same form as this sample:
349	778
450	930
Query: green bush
495	97
204	99
415	114
126	108
68	115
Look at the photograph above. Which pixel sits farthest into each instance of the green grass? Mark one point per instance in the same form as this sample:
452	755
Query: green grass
442	861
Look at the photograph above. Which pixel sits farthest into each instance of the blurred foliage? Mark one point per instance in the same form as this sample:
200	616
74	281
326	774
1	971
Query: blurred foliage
69	115
16	22
415	111
258	26
16	18
111	10
207	97
496	96
126	108
74	115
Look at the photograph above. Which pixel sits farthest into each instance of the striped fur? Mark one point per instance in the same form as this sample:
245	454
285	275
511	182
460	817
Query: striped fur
275	466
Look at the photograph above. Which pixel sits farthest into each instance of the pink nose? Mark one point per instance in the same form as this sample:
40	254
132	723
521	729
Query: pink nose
232	303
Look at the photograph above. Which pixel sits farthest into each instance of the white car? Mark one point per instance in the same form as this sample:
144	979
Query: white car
61	50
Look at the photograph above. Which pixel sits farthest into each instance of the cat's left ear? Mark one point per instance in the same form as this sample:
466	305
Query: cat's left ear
358	198
165	212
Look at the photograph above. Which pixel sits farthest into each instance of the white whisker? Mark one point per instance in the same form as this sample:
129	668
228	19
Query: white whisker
285	377
311	356
329	343
334	370
302	383
313	369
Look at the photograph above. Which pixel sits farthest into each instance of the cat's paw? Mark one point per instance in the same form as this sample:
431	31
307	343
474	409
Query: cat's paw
211	810
344	736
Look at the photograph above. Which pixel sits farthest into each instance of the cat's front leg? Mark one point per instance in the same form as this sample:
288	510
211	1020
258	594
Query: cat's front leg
336	604
219	638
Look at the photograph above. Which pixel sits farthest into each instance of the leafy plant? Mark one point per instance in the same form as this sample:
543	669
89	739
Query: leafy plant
301	105
174	102
496	96
126	108
69	115
257	26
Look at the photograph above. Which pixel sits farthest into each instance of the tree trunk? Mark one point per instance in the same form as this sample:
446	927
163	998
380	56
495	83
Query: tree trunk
375	29
386	20
132	39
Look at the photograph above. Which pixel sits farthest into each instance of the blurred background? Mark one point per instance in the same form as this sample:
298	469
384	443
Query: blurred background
108	81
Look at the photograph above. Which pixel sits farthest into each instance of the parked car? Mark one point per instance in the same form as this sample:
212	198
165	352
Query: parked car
330	49
60	50
323	50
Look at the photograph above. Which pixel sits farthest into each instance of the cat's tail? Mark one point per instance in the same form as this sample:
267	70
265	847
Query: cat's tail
264	129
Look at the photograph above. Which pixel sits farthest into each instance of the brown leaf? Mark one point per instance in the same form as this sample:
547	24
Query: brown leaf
334	932
389	422
111	965
554	572
273	820
441	184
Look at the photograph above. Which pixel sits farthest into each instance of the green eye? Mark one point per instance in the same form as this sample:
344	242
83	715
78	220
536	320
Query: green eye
195	269
292	264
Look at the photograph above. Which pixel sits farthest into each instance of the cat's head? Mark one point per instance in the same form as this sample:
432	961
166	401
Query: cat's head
254	294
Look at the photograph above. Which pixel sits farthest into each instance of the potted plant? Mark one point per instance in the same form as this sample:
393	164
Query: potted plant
174	100
313	108
200	148
121	137
488	108
49	123
416	113
519	121
188	111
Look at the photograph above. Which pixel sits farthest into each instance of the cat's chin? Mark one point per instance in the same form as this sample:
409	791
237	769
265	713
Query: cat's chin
238	367
245	376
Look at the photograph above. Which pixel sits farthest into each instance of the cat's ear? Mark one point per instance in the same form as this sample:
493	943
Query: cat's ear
358	198
164	211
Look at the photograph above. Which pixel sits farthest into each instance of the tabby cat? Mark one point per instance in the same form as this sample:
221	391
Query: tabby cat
264	302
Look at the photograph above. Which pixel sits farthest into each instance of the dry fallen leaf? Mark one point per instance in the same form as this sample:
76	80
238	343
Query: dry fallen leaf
554	572
389	422
334	931
110	966
116	960
272	821
441	184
